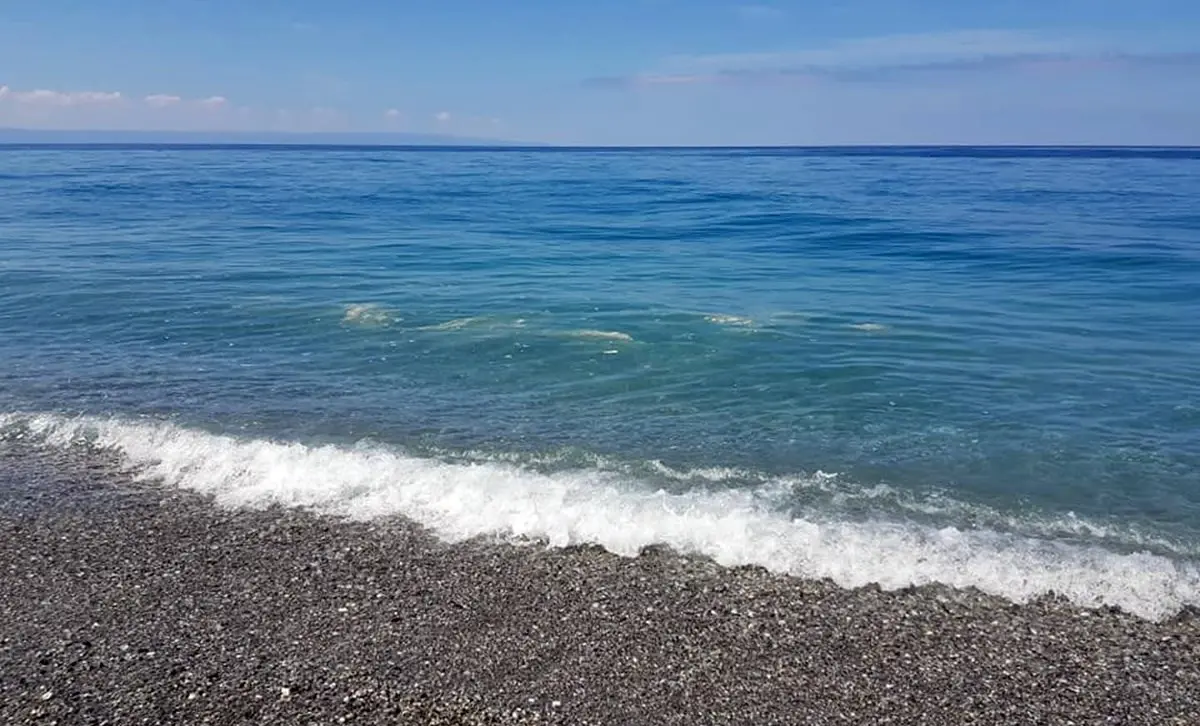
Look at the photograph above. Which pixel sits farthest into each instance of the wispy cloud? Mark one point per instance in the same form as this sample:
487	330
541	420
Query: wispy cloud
44	109
459	123
44	97
162	100
48	100
666	80
890	50
894	57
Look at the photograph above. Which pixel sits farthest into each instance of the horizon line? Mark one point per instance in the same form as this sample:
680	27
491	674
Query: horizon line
16	136
24	137
521	145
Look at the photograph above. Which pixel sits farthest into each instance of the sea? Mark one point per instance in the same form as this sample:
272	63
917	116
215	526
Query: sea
971	366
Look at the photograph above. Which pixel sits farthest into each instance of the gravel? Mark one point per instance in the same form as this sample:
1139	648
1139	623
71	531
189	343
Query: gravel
127	603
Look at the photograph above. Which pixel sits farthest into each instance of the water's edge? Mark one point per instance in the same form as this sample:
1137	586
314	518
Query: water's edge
607	507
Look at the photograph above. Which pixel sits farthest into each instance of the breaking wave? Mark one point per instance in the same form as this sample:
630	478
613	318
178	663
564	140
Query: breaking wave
608	503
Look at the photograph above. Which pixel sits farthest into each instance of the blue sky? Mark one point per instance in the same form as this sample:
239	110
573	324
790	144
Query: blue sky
615	72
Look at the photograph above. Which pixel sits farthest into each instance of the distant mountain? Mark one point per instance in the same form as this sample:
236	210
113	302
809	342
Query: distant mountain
58	136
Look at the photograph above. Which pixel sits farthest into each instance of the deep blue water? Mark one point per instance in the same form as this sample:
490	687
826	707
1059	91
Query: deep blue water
998	344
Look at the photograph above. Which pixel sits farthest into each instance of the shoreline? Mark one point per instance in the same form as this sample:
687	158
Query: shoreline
129	603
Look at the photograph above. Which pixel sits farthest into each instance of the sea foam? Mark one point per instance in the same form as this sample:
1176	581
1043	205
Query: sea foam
730	320
368	314
870	327
611	335
590	505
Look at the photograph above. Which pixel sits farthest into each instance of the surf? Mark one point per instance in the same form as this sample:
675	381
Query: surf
606	505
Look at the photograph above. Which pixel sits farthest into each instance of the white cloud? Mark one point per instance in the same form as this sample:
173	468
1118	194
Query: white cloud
43	97
44	108
163	110
162	100
46	99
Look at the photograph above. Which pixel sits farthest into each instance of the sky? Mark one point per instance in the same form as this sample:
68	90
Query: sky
614	72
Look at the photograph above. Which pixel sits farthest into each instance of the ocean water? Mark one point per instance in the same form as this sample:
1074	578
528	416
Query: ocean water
979	367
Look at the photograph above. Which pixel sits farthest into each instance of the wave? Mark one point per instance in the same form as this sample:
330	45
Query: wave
606	506
820	494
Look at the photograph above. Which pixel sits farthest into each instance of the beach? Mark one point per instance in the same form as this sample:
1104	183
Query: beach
130	602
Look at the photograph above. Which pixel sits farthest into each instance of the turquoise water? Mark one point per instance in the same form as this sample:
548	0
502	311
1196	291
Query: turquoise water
980	367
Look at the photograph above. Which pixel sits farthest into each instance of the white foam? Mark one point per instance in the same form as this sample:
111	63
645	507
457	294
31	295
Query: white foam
734	320
745	526
368	314
791	315
783	492
600	335
498	324
455	324
870	327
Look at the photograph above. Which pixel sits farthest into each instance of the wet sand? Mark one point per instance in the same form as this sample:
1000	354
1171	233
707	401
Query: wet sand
127	603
